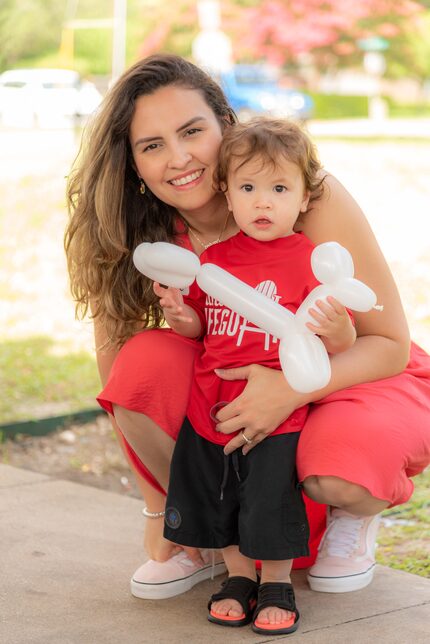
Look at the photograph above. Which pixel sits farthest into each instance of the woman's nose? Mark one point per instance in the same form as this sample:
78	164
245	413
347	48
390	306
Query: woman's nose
179	157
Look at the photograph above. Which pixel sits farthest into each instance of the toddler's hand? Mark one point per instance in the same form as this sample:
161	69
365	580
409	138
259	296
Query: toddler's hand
332	322
172	303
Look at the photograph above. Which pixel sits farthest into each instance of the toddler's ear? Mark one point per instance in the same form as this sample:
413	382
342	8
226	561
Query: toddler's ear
305	201
228	202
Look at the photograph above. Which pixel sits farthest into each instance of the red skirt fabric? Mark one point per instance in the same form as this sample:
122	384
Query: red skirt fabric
376	435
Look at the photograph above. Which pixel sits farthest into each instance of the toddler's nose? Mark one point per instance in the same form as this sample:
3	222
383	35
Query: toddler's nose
263	204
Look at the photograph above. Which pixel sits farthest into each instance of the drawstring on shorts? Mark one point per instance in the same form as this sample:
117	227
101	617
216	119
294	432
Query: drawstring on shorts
235	463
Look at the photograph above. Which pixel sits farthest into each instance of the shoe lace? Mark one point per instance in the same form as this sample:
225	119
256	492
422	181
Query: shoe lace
183	559
213	564
342	536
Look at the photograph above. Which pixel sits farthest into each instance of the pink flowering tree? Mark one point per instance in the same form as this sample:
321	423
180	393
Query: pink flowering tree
279	31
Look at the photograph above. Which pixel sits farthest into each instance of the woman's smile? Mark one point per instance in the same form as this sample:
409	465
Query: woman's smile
188	180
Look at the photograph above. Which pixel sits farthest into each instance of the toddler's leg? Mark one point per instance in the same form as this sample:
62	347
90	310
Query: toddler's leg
275	571
238	566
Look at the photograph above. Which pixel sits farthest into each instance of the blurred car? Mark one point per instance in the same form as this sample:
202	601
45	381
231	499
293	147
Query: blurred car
45	96
254	89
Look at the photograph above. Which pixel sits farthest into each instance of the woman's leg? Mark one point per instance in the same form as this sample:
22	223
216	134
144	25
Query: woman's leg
357	453
155	448
148	392
337	492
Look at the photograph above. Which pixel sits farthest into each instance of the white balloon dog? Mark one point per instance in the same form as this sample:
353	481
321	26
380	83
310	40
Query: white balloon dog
303	356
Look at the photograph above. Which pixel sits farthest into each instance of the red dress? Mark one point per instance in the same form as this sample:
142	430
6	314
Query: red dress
376	435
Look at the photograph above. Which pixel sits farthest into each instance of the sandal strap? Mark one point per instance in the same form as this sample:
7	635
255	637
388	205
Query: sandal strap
276	594
242	589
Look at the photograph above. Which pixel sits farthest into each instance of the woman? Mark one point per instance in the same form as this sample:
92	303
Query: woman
145	174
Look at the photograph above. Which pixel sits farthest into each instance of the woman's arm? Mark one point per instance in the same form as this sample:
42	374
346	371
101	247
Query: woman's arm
105	356
382	346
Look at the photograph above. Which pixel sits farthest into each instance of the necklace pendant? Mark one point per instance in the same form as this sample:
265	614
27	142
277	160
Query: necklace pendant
211	244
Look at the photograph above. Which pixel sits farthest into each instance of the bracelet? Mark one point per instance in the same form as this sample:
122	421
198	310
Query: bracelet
152	515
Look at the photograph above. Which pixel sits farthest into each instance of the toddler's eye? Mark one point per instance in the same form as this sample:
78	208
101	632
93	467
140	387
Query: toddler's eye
280	188
246	187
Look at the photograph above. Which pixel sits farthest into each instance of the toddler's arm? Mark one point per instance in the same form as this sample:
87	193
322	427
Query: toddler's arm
179	316
333	324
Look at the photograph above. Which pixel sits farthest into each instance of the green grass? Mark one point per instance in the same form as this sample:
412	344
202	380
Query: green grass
37	380
405	545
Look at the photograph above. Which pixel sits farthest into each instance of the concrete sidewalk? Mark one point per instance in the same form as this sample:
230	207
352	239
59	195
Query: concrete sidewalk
67	552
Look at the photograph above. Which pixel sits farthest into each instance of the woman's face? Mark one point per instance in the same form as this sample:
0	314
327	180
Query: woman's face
175	138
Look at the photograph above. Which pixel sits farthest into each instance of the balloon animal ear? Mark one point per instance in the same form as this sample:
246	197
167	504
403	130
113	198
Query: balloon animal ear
330	262
166	263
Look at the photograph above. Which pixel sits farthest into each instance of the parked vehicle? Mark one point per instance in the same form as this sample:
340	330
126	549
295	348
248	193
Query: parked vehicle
254	89
43	96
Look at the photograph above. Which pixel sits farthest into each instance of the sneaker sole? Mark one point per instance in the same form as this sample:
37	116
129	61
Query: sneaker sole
341	584
178	586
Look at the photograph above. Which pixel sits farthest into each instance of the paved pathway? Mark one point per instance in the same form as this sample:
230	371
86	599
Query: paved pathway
66	554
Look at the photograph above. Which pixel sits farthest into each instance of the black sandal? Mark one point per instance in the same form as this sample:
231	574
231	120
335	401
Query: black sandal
241	589
280	595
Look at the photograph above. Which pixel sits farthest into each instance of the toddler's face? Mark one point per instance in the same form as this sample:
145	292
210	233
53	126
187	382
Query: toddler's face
266	201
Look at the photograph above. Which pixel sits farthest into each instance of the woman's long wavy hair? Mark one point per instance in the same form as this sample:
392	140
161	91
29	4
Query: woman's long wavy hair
108	215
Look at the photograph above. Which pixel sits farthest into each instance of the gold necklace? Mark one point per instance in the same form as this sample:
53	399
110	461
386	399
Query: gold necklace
212	243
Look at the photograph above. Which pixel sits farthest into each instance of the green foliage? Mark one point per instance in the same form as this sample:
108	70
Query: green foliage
407	110
93	49
29	28
31	33
335	106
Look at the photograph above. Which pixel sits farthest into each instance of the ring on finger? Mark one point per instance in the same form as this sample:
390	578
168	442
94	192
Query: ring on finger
247	440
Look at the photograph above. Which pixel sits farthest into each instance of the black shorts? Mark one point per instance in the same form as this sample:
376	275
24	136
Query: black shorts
252	501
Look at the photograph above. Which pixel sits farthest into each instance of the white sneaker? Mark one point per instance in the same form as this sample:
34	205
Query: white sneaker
346	555
163	579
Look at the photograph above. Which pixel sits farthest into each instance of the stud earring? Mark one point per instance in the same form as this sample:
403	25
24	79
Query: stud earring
142	188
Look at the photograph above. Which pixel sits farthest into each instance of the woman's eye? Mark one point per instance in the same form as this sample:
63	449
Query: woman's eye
192	131
280	188
246	187
151	146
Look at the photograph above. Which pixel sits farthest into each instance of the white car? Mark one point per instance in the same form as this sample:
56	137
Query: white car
45	97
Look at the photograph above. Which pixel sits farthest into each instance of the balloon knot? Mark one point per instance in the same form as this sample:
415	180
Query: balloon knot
378	307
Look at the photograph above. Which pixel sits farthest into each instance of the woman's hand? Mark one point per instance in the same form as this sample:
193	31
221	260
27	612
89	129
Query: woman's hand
264	404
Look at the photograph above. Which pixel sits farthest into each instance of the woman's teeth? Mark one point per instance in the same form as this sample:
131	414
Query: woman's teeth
188	179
